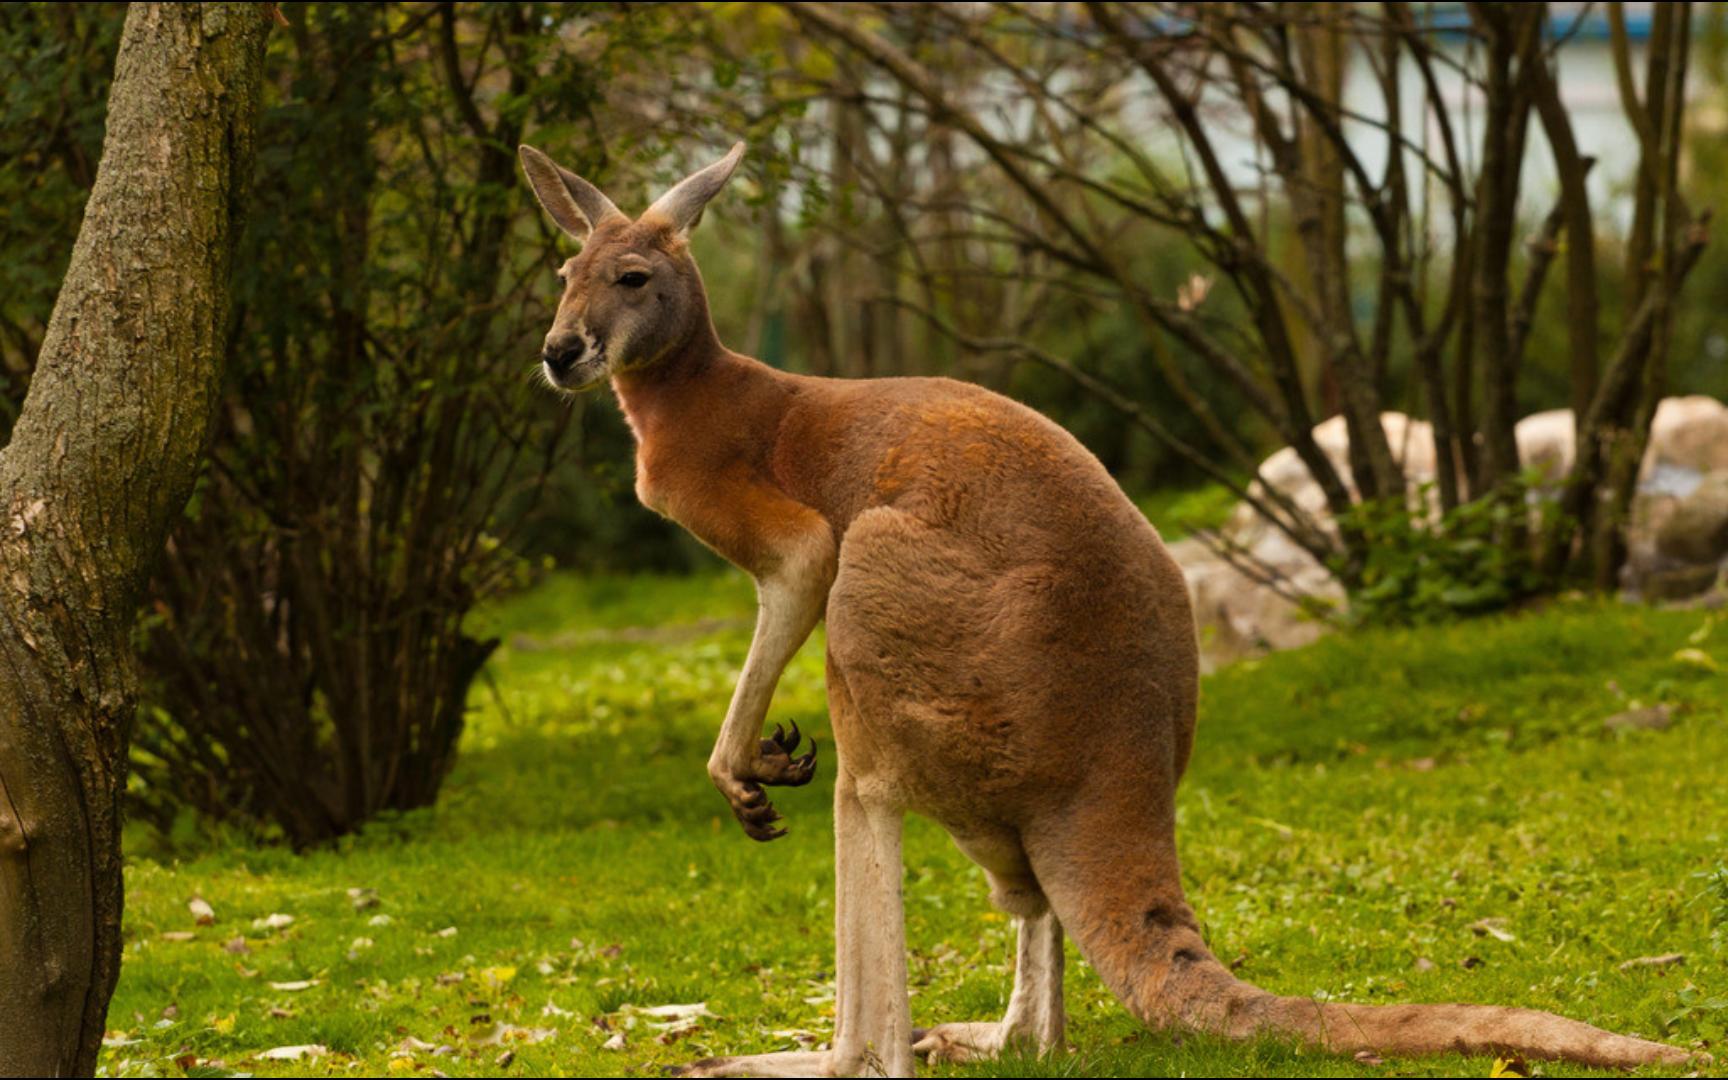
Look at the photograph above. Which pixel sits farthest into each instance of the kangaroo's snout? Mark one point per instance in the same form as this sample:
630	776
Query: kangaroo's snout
562	351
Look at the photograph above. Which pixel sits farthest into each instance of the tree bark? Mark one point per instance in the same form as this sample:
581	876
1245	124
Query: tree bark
99	466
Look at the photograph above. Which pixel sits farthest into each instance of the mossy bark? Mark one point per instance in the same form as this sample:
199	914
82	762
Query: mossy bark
100	464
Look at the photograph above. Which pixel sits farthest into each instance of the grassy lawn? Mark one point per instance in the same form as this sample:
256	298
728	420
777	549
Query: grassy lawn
1399	816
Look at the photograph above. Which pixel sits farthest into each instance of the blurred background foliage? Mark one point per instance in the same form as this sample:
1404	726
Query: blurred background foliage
383	463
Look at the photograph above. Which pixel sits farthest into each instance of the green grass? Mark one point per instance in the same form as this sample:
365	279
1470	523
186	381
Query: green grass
1352	809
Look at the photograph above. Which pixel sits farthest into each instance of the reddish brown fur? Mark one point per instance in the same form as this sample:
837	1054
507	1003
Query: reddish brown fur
1011	652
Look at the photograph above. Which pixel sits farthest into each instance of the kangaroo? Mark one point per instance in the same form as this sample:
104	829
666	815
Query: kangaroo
1011	652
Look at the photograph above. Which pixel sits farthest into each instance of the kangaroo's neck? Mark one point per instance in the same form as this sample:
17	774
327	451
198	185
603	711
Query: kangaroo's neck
700	391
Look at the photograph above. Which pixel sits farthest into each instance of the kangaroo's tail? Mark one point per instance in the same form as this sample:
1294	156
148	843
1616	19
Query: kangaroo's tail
1121	900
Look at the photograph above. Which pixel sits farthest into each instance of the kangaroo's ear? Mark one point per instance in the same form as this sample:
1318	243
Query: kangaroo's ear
682	206
576	205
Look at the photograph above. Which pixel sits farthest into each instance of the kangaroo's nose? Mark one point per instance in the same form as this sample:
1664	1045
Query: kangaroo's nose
562	352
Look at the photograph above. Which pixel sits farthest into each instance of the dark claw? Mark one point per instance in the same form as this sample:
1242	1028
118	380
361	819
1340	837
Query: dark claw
757	815
778	767
781	744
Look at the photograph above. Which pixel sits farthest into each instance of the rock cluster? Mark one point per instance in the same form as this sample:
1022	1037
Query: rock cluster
1677	537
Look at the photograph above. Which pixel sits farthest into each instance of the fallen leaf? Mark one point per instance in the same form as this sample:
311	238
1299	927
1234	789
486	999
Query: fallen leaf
503	1060
670	1021
237	946
296	1053
179	935
510	1033
448	931
1665	960
1370	1058
1513	1066
202	912
1424	964
1494	927
295	985
1697	658
673	1013
1650	718
274	921
616	1042
362	899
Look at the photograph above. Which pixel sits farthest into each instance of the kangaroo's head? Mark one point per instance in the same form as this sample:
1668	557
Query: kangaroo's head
633	296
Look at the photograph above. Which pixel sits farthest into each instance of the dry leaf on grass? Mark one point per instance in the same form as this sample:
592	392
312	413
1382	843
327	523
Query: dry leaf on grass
202	913
1697	658
510	1033
670	1016
1494	927
1665	960
1513	1066
294	1053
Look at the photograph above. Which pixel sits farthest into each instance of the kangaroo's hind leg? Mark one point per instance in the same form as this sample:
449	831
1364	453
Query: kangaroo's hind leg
873	1023
1035	1017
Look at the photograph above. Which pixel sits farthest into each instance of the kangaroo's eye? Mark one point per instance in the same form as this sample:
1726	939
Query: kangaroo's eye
634	279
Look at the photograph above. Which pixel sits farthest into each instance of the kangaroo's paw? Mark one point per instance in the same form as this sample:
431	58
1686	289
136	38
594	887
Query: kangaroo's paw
957	1044
774	765
751	807
810	1063
777	767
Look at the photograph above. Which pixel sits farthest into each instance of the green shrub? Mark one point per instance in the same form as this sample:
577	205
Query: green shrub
1431	568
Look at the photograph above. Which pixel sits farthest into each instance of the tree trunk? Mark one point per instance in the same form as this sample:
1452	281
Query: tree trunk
100	464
